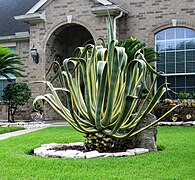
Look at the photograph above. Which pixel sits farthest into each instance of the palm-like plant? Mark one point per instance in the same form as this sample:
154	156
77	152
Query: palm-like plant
10	63
132	45
115	88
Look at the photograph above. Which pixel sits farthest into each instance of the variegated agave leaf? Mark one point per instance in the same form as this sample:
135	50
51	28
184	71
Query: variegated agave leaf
105	90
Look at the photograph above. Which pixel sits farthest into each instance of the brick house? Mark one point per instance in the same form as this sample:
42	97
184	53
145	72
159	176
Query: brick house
56	27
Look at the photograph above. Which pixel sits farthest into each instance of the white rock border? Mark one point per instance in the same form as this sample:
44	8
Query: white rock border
44	151
179	123
26	125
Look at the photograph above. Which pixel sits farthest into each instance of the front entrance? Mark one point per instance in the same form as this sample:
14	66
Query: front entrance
61	45
65	39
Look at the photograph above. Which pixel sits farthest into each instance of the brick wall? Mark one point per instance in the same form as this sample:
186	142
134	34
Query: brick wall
145	18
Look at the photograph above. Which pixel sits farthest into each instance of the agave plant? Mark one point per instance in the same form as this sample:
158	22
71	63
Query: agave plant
9	62
116	95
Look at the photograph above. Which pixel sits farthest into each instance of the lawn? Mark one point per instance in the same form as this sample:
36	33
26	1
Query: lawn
176	161
9	129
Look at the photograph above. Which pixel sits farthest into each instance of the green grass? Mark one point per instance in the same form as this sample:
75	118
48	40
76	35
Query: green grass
176	161
9	129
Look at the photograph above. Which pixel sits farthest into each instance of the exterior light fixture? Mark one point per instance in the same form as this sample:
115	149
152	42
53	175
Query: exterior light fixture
34	54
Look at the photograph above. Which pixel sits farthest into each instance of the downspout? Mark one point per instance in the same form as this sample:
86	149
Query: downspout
117	17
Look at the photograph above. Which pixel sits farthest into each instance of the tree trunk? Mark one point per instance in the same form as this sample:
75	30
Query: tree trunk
8	114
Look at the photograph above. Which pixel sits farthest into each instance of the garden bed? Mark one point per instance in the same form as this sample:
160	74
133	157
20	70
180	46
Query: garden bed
180	114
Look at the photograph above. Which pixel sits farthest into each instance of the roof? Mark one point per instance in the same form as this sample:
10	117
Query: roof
10	8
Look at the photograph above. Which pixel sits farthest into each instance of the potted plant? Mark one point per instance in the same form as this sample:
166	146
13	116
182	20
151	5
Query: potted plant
37	112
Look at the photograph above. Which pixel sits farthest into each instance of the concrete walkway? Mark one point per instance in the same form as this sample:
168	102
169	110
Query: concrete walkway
18	133
29	127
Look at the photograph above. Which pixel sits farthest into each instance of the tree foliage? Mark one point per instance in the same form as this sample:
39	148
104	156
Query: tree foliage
10	63
15	95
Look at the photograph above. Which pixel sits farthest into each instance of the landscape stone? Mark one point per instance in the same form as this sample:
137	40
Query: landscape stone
46	151
187	123
141	151
80	155
93	154
122	154
76	144
69	154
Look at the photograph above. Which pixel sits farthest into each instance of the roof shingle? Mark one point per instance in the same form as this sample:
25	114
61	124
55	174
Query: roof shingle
10	8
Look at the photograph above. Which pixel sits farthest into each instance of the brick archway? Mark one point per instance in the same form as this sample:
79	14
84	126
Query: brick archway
60	45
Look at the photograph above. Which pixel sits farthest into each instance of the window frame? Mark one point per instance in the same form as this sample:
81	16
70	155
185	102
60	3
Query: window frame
174	39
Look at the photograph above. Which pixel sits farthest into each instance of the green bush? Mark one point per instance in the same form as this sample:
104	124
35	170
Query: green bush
15	95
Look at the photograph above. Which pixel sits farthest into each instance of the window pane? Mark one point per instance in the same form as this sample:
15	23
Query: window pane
177	90
190	81
180	67
179	33
3	84
160	35
171	80
170	57
180	45
190	56
190	44
170	68
162	57
170	33
190	90
161	67
160	46
180	56
190	67
170	45
13	49
190	33
180	81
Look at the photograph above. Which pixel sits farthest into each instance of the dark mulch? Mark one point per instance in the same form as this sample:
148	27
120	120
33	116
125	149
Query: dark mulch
82	148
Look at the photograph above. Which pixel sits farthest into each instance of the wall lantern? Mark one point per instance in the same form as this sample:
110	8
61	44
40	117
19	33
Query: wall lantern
34	54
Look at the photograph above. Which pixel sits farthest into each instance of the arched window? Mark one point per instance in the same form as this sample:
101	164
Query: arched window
177	49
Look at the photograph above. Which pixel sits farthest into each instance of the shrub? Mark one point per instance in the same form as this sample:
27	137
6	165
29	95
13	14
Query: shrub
15	95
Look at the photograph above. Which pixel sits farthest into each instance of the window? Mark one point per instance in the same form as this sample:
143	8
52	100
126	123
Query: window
3	81
177	49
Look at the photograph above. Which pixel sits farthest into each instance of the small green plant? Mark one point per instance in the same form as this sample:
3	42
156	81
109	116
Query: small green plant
15	95
183	95
38	107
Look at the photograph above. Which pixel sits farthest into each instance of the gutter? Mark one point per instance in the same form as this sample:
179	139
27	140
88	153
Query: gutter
113	10
20	36
117	17
31	18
